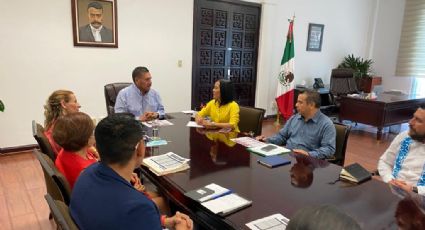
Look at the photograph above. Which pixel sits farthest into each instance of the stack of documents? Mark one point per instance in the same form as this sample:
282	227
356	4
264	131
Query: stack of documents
219	200
166	163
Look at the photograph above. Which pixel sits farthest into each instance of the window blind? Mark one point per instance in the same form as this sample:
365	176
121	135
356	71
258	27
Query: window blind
411	53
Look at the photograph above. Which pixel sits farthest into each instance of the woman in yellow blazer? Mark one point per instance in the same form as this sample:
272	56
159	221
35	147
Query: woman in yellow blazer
222	110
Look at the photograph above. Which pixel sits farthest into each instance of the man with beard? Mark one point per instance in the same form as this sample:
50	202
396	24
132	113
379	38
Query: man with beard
403	164
95	31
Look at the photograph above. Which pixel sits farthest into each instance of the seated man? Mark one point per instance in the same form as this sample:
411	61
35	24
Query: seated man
309	132
139	99
403	163
103	196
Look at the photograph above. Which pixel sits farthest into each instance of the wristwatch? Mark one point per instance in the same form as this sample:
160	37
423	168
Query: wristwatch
415	189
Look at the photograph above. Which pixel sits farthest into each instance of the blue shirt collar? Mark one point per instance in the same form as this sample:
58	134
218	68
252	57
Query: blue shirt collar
315	118
109	172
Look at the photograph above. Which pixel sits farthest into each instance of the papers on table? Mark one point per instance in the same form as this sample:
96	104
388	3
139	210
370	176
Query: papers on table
248	142
194	125
188	111
269	150
227	204
158	123
166	163
273	222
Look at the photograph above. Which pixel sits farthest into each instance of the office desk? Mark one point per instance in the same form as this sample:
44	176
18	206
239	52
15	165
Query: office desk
386	110
371	204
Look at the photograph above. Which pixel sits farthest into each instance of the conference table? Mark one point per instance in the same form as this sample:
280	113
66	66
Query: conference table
215	159
387	109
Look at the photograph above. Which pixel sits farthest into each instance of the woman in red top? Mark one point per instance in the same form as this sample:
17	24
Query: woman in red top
74	132
59	103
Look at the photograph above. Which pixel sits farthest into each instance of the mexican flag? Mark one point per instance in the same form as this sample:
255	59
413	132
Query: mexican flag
285	86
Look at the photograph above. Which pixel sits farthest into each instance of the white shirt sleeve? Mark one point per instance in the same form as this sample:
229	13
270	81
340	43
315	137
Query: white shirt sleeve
386	162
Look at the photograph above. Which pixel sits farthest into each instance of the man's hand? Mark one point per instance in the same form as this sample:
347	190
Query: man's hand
179	221
260	138
401	184
148	116
300	151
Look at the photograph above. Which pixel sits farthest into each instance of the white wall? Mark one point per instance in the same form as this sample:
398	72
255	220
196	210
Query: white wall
37	55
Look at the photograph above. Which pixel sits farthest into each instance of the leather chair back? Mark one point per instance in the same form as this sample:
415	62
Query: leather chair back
43	142
56	184
251	119
343	82
61	214
111	93
342	132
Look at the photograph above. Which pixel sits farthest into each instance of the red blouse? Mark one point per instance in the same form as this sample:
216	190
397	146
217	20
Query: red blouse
70	164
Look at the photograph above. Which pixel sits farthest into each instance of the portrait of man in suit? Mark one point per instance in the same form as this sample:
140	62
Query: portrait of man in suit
95	22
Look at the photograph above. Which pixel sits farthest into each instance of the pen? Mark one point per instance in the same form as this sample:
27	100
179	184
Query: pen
220	195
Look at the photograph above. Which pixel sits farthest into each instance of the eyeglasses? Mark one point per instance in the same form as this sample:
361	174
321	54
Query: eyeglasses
145	139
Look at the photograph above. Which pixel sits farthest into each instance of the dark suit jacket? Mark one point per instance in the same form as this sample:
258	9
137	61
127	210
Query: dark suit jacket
87	36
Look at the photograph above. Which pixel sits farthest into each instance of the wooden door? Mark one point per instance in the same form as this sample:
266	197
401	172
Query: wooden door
225	45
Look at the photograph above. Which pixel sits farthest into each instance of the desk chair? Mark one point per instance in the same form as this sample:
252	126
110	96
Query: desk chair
61	214
111	93
43	142
251	119
56	184
342	132
342	83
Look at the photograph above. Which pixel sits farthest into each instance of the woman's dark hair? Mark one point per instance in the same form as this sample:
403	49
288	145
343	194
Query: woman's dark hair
226	91
116	138
73	131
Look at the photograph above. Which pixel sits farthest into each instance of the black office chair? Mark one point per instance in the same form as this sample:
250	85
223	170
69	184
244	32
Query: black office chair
43	142
61	214
251	120
111	93
342	132
56	184
342	83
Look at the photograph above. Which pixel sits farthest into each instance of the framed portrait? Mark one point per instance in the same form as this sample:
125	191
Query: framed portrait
94	23
315	37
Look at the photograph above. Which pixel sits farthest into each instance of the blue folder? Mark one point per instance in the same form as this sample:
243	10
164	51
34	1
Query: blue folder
274	161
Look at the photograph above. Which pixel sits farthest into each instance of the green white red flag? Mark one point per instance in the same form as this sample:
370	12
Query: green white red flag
285	86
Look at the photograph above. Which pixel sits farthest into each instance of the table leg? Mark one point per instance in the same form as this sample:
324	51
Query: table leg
379	133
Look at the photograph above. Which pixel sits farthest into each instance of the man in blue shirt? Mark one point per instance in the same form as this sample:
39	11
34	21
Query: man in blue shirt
308	132
139	99
103	196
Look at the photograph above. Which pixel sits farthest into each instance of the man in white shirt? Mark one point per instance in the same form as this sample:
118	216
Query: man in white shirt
95	31
403	164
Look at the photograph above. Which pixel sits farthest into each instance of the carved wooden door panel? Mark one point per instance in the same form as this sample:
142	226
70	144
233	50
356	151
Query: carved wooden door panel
225	45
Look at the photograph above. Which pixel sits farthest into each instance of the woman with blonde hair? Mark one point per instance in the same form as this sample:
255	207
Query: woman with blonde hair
59	103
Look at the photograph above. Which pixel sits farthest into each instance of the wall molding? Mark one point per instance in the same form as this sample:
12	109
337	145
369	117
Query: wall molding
15	149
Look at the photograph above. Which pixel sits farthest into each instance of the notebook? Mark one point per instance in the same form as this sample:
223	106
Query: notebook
355	173
274	161
227	204
209	192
